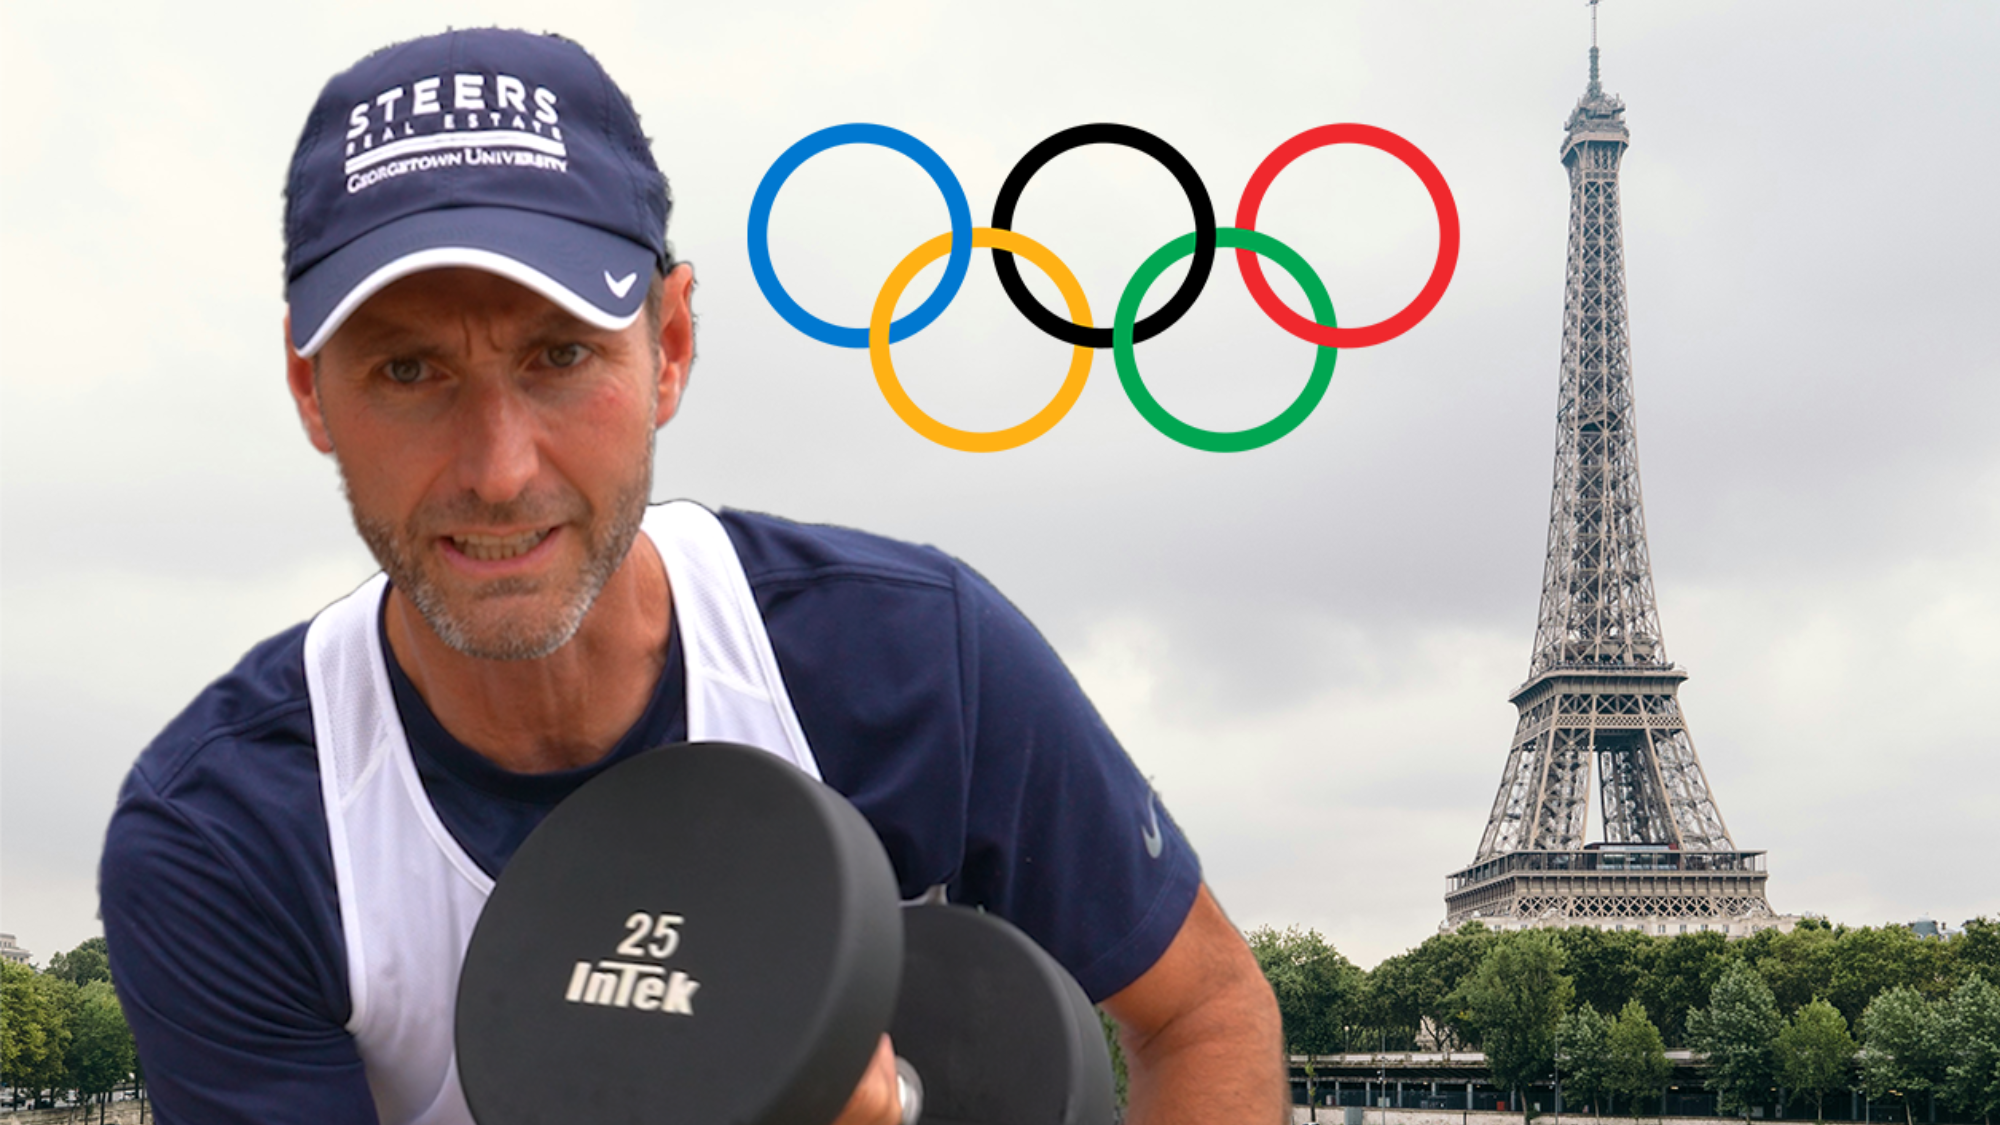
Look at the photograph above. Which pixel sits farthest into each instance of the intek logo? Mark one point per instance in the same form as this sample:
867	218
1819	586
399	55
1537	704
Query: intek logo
641	982
472	119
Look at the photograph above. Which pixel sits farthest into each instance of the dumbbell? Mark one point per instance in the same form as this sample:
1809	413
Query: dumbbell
704	935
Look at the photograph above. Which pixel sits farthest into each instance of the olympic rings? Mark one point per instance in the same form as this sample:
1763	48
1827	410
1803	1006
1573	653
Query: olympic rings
1126	136
1126	328
858	133
978	441
1221	441
1447	214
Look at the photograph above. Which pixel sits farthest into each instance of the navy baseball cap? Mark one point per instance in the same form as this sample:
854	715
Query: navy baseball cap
502	151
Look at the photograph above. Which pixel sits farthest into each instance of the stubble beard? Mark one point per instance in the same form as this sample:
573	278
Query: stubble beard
507	636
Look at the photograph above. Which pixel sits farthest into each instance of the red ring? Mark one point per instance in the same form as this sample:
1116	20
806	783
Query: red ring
1447	213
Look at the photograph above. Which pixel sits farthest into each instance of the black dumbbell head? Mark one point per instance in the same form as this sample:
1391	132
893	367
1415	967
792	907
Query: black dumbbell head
701	934
999	1031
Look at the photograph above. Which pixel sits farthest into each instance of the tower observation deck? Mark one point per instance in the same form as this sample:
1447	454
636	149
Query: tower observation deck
1600	687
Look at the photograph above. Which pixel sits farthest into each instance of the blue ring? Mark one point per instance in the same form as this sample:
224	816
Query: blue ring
859	133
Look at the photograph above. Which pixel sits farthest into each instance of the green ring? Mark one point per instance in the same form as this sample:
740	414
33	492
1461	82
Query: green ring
1221	441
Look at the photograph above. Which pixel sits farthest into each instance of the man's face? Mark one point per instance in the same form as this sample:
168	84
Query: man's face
497	452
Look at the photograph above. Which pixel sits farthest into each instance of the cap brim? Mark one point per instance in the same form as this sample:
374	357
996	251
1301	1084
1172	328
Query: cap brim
596	276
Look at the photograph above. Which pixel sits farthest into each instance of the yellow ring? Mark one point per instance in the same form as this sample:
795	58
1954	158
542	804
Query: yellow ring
977	441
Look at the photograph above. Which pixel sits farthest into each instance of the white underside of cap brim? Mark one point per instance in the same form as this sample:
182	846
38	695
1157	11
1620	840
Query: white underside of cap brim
442	257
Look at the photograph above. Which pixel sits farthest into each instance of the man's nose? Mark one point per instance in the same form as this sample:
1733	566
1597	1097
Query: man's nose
498	441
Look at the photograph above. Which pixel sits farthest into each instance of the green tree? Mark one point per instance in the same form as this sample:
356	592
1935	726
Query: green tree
1388	1003
1443	962
1120	1075
24	1025
1636	1060
1583	1055
34	1029
1797	965
101	1054
1975	951
1902	1047
1516	1000
1316	987
1815	1053
1972	1032
1865	963
1410	997
87	962
1606	965
1680	973
1738	1031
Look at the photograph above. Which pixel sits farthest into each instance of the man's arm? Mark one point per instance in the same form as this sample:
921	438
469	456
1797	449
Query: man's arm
1200	1031
219	948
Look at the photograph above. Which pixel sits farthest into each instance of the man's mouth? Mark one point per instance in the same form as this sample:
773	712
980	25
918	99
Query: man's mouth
494	548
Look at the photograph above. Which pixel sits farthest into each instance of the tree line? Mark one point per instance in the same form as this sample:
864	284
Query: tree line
63	1032
1819	1009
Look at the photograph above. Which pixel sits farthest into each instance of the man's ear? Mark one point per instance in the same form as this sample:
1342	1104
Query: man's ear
300	379
676	342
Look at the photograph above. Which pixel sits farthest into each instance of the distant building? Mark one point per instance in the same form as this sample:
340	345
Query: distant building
1925	928
11	952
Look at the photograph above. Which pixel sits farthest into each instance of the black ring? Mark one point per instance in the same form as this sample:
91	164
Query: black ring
1124	136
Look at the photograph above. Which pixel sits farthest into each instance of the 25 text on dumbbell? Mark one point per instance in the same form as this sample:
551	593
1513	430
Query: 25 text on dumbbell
639	984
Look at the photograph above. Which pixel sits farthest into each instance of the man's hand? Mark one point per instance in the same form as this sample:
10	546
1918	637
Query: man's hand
1201	1033
876	1101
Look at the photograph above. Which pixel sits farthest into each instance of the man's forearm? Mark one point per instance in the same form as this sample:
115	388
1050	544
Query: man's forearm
1200	1031
1221	1062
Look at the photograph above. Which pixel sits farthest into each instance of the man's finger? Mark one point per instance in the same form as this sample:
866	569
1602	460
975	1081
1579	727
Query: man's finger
877	1100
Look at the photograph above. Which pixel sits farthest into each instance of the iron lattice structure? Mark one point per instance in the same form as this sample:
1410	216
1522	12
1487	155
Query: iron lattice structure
1600	687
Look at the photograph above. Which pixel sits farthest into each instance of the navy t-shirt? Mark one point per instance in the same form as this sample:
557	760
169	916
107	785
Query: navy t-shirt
928	700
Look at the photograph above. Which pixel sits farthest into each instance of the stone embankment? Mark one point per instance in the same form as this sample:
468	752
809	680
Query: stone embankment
1337	1115
117	1113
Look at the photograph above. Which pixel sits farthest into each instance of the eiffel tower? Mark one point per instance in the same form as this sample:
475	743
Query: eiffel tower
1600	686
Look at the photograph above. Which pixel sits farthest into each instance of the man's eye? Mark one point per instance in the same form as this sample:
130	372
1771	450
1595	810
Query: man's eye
565	355
404	371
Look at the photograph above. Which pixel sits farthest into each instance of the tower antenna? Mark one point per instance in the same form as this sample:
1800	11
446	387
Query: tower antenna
1593	47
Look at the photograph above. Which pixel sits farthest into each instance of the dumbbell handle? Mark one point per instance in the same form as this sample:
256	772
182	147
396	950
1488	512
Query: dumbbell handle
910	1090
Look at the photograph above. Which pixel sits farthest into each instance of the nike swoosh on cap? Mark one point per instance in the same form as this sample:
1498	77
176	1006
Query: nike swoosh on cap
621	285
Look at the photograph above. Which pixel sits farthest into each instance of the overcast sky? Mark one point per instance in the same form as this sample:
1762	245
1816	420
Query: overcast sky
1308	646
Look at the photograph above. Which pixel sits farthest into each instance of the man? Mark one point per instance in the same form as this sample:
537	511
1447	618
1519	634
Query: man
296	862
